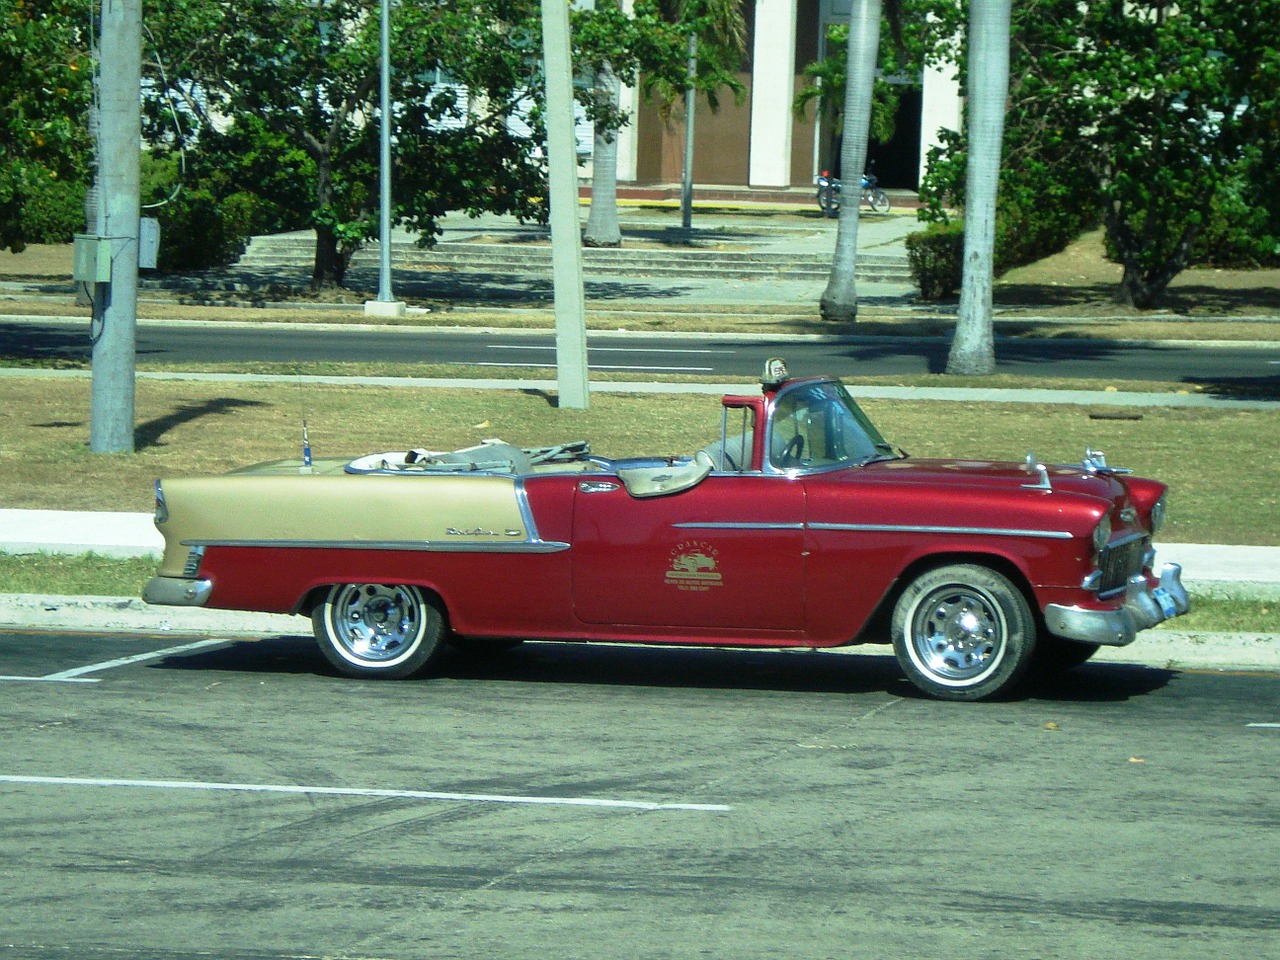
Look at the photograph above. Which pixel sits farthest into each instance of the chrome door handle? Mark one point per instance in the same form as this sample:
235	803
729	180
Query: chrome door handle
597	486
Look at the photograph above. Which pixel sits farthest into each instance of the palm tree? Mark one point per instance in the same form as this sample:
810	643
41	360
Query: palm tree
973	346
840	298
603	229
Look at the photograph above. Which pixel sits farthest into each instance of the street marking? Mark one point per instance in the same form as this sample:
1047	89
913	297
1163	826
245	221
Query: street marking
364	792
597	366
49	680
77	674
1266	726
549	349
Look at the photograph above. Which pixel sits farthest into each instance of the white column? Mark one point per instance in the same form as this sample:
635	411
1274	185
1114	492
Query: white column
941	108
629	101
773	60
628	148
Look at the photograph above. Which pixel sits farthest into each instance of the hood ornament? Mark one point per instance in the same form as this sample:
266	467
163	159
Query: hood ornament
1036	467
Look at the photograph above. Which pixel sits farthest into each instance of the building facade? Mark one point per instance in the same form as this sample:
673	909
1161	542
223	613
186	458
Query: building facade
759	142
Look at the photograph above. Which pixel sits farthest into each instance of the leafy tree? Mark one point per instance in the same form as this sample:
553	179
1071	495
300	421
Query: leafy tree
1151	117
297	80
45	88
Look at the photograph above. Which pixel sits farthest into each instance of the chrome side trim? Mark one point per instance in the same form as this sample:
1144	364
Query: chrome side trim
422	546
969	531
710	525
526	513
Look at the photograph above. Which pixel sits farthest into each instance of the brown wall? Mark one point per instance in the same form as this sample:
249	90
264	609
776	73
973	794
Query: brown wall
722	139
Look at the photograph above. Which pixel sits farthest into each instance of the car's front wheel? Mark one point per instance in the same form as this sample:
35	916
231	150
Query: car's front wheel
377	630
963	632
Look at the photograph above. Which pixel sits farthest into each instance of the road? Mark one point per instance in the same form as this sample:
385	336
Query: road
383	349
168	797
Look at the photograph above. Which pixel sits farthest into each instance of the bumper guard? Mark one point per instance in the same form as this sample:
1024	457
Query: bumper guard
1144	606
177	592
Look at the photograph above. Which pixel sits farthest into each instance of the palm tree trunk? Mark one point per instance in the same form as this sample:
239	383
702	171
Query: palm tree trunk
603	229
973	346
840	299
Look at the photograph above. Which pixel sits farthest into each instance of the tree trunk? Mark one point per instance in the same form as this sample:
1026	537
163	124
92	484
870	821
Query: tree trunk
973	347
330	267
840	298
603	229
1139	286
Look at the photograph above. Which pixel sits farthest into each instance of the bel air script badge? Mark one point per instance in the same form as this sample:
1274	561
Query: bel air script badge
481	532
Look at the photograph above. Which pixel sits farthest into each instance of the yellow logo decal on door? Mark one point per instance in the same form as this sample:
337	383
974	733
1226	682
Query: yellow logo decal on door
694	566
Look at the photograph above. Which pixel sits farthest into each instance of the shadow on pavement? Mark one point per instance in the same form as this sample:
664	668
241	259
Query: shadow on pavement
798	671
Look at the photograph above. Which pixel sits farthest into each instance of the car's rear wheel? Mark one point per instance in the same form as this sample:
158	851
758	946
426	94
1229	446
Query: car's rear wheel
377	630
963	632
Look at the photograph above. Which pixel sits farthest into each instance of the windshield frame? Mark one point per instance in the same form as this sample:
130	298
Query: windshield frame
831	394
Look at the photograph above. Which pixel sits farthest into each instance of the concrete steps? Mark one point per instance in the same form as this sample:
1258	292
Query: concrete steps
266	254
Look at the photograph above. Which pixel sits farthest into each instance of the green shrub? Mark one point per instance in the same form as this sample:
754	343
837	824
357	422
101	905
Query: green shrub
198	230
1242	230
52	210
936	257
195	234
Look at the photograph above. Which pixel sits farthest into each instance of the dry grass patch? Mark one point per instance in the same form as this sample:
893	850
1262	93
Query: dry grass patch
1221	465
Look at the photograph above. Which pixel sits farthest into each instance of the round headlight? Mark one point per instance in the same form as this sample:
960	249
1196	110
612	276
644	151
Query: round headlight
1102	534
1158	515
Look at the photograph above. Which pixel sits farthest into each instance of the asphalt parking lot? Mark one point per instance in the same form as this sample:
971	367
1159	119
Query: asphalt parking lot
172	796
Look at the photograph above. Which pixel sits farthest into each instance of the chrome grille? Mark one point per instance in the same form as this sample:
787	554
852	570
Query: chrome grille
1120	561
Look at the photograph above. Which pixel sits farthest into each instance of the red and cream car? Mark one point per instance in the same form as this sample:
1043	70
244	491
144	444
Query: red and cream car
800	526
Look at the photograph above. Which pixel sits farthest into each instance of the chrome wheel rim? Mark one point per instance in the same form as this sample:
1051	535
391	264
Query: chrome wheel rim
373	623
957	634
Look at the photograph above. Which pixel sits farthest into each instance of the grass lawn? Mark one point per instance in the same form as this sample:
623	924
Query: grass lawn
1221	465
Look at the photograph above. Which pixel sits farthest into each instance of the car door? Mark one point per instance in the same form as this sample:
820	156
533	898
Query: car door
727	553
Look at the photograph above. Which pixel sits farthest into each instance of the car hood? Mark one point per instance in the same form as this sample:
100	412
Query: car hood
999	474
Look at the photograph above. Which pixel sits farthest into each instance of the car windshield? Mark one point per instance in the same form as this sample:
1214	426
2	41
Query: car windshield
819	425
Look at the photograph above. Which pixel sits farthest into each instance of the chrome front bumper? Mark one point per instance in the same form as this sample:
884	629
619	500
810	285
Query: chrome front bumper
177	592
1144	606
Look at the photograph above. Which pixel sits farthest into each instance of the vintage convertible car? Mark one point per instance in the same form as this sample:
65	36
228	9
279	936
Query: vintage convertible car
800	526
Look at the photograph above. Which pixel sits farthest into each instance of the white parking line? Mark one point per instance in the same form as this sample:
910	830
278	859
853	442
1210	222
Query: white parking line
549	349
600	366
365	792
77	674
1266	726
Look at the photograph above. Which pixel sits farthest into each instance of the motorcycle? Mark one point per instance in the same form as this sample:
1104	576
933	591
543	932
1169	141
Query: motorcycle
829	194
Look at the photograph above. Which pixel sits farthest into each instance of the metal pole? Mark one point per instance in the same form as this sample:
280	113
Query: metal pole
386	305
384	162
690	101
566	230
115	308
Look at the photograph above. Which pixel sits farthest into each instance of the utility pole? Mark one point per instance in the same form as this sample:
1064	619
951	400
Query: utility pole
566	230
113	252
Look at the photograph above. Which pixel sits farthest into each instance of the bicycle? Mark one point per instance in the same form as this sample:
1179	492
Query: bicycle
829	194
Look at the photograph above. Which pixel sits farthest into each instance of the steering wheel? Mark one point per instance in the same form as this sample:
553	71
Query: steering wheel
792	452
